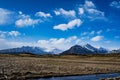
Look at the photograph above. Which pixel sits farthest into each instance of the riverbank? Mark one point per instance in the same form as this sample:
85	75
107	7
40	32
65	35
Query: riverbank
115	78
32	76
27	67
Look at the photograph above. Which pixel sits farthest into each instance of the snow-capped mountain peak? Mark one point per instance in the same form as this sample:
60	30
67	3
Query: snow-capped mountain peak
85	49
89	47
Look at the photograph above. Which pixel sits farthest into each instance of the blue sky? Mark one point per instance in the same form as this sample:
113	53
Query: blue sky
59	24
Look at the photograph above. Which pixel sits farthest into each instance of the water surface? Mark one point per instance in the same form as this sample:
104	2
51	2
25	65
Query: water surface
85	77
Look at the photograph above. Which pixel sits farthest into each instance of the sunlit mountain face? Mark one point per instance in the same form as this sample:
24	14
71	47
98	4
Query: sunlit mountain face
59	24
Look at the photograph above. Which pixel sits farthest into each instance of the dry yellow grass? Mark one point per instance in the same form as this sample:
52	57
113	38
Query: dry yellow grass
57	66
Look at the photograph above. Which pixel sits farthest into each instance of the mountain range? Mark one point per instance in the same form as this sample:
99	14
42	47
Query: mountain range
85	49
28	49
76	49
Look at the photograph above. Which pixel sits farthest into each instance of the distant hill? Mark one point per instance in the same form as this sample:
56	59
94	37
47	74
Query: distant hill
85	49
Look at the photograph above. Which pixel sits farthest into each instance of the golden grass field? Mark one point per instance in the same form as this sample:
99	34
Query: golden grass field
24	66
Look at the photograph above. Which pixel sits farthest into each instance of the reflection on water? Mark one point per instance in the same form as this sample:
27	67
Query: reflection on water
86	77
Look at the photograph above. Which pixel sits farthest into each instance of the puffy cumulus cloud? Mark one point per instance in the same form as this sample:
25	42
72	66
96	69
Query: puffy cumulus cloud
6	16
4	34
61	11
95	13
115	4
96	38
42	14
81	11
90	11
61	43
89	4
14	33
26	20
69	25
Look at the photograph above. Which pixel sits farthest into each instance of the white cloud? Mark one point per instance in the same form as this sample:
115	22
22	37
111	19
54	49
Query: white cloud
14	33
5	16
89	4
70	25
60	43
91	33
26	20
61	11
81	11
96	38
87	34
90	11
8	17
115	4
42	14
4	34
95	13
